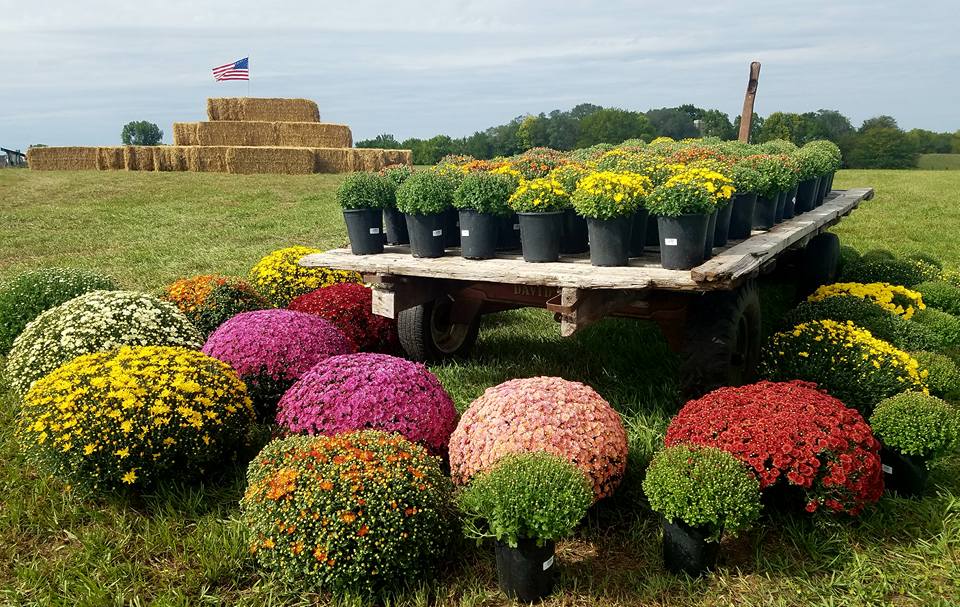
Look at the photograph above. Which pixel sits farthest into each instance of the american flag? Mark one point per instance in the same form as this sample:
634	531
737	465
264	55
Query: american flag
238	70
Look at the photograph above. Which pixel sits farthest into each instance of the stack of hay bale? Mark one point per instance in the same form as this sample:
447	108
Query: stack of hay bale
242	135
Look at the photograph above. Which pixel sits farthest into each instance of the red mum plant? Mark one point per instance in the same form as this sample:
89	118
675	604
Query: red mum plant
348	306
791	433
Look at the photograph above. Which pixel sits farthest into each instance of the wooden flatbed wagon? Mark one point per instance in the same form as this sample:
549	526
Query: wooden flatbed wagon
710	314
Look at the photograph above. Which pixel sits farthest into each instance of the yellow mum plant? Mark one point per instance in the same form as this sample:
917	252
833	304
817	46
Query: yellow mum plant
541	195
845	360
899	300
135	416
280	278
607	195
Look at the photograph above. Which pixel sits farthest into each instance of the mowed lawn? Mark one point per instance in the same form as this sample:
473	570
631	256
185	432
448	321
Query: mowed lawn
184	546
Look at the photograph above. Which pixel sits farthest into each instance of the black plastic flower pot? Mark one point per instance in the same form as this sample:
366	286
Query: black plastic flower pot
830	182
905	474
610	240
478	234
540	236
526	573
508	236
781	205
395	226
806	195
686	549
741	216
426	234
653	234
574	238
365	229
822	191
451	228
765	213
708	237
789	209
721	232
682	240
638	234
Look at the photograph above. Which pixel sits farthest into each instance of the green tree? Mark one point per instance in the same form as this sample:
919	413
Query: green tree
613	125
883	122
141	133
798	128
384	141
714	123
929	142
832	124
955	142
882	147
671	122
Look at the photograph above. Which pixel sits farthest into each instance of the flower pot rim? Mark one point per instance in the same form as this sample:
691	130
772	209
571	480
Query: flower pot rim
684	215
362	210
525	213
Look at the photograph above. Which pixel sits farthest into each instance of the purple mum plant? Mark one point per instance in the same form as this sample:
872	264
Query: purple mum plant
370	391
271	349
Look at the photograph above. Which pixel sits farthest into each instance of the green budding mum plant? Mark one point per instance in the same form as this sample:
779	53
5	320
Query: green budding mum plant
526	496
485	193
425	193
916	424
365	190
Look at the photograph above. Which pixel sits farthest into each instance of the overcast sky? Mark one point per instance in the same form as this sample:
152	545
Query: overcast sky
73	72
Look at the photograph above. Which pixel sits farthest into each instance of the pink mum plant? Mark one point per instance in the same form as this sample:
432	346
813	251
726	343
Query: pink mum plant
370	391
565	418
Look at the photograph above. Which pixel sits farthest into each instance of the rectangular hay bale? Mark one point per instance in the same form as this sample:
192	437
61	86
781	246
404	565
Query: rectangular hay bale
138	157
333	160
110	158
210	159
65	158
169	158
262	109
288	161
185	133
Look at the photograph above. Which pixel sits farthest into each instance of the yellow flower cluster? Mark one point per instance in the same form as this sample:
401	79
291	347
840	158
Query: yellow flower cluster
609	194
897	299
718	185
845	360
280	278
543	194
134	415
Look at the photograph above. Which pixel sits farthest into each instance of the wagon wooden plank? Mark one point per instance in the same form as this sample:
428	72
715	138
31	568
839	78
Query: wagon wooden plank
748	257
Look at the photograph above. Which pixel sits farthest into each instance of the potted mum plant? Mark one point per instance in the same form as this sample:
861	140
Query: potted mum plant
394	223
702	493
424	198
913	428
811	163
362	196
540	203
683	205
788	181
482	201
774	178
610	202
574	238
748	181
526	502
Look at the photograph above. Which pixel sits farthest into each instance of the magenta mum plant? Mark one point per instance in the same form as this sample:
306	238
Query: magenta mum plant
565	418
271	349
370	391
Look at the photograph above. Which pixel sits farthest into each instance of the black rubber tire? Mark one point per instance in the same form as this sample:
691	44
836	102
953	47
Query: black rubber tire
722	345
818	263
426	334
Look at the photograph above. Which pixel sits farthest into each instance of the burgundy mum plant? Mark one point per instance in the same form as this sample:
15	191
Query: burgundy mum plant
370	391
565	418
271	349
348	305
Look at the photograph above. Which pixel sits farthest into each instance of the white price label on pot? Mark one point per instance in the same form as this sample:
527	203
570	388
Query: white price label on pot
548	563
516	226
670	242
464	232
794	200
886	469
374	230
438	232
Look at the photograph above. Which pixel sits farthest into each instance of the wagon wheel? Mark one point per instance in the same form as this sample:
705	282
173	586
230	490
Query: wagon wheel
818	263
440	329
722	340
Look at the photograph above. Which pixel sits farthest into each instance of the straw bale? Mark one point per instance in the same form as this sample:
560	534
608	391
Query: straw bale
333	160
289	161
169	158
110	158
255	108
313	134
185	133
210	159
138	157
67	158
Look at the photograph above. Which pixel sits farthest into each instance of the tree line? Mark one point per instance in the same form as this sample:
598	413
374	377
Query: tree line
878	143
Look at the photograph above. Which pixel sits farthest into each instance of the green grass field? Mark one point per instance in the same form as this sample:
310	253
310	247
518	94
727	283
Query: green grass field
184	546
939	162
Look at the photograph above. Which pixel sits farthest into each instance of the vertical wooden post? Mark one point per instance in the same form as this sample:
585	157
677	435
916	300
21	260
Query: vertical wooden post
746	116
